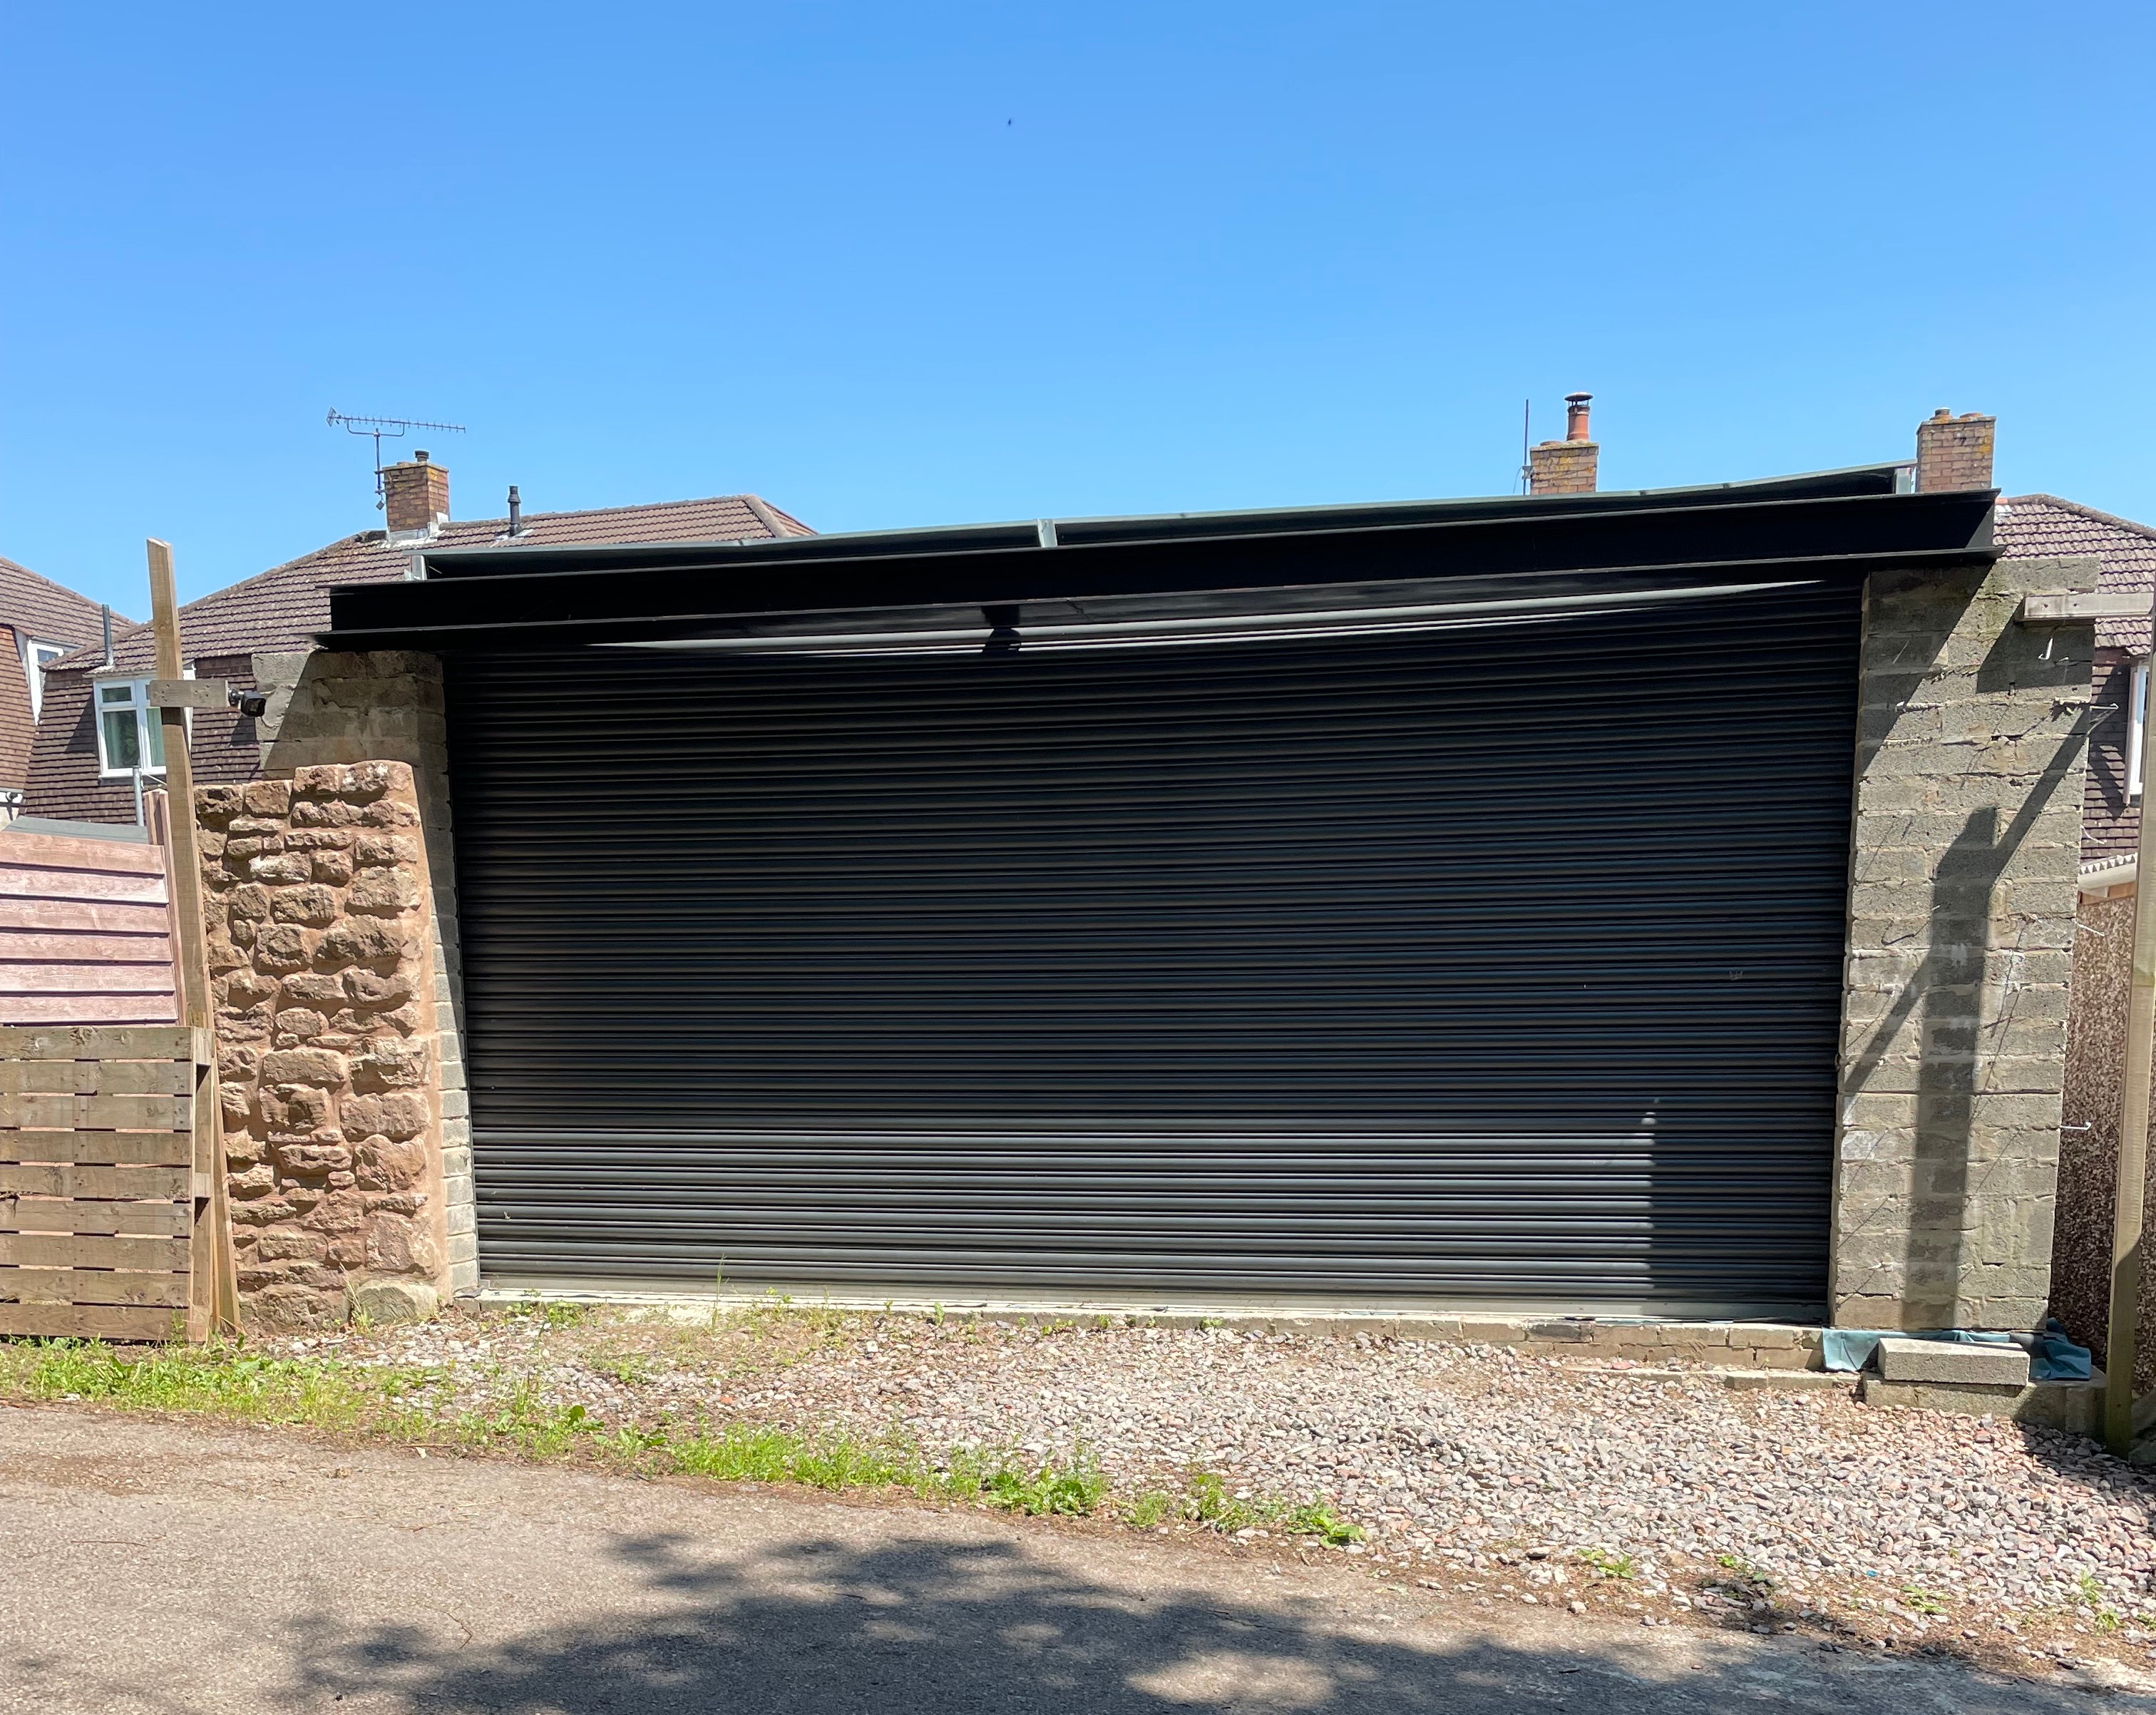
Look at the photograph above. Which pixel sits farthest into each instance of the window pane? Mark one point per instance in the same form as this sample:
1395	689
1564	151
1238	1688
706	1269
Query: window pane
150	719
120	750
115	693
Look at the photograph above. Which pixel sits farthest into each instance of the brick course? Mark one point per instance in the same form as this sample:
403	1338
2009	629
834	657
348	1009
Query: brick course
1954	452
1562	467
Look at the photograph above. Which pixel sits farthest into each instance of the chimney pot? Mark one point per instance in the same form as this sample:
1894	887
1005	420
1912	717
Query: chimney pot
420	456
1567	466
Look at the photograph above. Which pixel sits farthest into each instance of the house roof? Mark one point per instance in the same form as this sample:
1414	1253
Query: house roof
282	608
2041	527
39	608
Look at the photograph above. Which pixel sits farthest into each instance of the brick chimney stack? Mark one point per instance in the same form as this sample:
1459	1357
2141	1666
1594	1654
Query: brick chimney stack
415	497
1567	466
1954	452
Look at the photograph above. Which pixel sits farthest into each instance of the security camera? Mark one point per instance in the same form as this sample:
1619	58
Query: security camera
253	704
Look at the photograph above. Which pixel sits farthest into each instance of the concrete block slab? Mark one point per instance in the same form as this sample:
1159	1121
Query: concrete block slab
1788	1380
2074	1406
1944	1361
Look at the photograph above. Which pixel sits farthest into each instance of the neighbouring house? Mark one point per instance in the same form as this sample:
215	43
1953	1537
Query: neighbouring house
359	968
1306	905
40	621
2043	526
98	730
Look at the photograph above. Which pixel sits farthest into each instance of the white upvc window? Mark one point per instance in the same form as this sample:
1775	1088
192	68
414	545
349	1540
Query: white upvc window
37	655
2136	726
129	735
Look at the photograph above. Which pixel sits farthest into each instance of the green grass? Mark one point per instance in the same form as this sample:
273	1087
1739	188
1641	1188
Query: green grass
405	1405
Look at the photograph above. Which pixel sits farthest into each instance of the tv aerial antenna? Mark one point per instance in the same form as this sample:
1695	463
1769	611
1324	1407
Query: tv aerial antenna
384	429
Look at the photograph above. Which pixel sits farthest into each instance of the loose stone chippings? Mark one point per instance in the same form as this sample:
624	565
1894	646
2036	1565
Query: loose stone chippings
1757	1507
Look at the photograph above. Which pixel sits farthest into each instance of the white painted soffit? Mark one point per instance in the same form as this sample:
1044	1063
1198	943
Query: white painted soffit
2108	872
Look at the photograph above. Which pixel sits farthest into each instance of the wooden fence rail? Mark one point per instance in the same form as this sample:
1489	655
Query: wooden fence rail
108	1136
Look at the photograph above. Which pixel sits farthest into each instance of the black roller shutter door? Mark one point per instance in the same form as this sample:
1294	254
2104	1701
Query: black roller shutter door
1494	964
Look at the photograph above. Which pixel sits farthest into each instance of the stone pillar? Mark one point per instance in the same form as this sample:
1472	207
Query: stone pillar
1971	757
317	898
328	706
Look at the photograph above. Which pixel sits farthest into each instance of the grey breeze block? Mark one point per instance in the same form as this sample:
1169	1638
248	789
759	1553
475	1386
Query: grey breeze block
1947	1361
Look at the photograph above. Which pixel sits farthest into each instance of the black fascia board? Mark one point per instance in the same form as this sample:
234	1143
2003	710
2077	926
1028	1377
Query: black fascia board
636	599
498	558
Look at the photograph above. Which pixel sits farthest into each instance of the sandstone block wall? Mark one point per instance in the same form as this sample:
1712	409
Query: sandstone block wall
326	706
317	900
1970	759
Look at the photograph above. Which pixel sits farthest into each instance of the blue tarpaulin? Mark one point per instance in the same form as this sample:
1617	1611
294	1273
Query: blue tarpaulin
2052	1357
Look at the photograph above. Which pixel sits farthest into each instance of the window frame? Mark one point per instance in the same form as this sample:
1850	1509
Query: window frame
138	687
2136	721
38	653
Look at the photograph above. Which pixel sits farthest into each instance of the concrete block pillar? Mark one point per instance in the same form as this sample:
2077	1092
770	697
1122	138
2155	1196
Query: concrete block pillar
1970	753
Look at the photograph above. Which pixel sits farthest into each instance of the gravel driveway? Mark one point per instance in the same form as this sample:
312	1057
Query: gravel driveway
1477	1469
170	1569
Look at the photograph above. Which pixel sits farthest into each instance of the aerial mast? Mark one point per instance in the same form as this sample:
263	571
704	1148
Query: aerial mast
385	428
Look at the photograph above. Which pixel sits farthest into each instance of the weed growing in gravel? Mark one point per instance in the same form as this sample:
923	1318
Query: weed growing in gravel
2091	1592
553	1315
1919	1600
1315	1520
1208	1501
1147	1510
1608	1563
1077	1491
1746	1570
629	1369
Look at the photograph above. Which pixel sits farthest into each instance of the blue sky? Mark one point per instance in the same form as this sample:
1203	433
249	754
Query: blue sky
892	266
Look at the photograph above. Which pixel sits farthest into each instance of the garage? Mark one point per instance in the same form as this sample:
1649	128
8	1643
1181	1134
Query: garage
1494	956
1438	904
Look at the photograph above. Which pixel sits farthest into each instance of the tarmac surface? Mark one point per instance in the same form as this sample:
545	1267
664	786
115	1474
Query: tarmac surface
158	1568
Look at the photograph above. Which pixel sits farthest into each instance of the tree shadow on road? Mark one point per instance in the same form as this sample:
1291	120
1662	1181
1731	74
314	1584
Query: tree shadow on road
994	1628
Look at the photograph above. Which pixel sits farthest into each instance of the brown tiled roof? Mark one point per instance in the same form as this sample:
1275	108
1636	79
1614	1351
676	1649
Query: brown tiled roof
282	608
2040	526
37	607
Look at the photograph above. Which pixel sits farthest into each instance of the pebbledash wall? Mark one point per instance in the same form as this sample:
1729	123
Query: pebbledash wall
1969	745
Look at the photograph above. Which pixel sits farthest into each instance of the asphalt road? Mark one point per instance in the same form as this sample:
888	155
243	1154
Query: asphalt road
165	1569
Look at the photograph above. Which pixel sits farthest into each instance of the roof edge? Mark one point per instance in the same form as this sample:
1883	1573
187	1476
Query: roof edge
2148	530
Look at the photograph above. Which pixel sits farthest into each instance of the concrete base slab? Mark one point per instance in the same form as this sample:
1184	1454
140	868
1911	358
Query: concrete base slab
1713	1343
2077	1407
1789	1381
1947	1361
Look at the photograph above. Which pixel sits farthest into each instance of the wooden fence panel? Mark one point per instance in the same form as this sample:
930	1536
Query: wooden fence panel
107	1135
85	931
